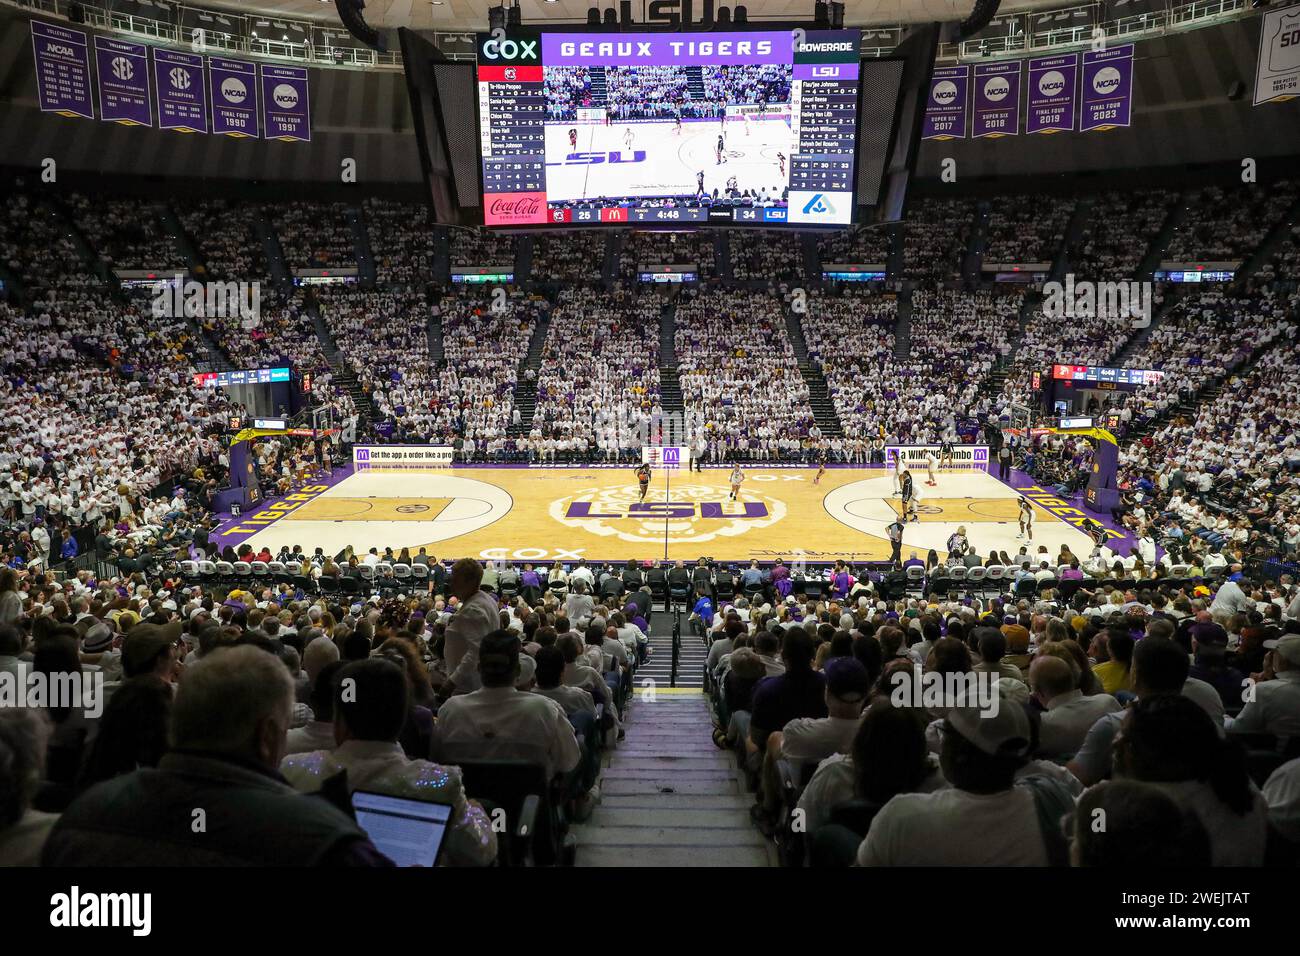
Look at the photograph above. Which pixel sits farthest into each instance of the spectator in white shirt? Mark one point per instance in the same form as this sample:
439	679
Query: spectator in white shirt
477	616
1069	715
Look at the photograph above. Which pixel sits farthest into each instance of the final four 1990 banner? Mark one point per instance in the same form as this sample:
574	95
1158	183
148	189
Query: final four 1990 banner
232	91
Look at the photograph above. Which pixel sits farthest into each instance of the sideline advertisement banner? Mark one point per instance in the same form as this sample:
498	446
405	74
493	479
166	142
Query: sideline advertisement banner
368	456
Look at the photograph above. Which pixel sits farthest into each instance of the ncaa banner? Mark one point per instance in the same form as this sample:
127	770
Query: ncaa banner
232	94
945	109
62	70
286	113
1050	97
178	88
410	456
1277	77
997	100
123	71
1107	88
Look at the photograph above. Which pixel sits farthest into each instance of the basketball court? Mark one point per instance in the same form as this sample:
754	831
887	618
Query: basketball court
544	514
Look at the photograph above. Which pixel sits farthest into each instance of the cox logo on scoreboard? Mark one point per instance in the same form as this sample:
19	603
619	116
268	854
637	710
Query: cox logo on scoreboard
515	49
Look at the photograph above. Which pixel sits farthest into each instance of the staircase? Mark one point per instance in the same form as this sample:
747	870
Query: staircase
613	253
1160	242
273	252
973	261
366	271
1272	241
213	354
1135	342
523	259
367	413
525	396
172	224
599	86
433	330
819	397
812	260
722	255
669	797
670	390
895	264
1074	231
903	329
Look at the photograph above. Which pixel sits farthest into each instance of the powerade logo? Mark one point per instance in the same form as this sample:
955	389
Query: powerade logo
1052	83
596	159
818	206
838	47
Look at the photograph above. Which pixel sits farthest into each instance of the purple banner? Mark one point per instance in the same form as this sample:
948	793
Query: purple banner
1050	96
286	111
178	86
996	110
123	71
62	70
232	95
945	109
1107	88
666	49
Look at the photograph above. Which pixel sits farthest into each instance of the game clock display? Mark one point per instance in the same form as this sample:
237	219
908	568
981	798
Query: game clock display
754	128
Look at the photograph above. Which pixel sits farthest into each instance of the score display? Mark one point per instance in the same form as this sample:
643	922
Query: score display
254	376
1116	376
633	128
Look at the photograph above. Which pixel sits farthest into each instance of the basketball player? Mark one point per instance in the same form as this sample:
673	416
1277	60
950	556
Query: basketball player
1026	519
573	138
643	477
780	159
821	468
718	149
945	453
898	473
930	465
677	122
737	476
627	138
908	492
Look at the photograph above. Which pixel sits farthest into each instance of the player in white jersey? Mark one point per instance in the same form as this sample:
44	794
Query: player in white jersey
930	464
898	473
627	138
737	476
1026	519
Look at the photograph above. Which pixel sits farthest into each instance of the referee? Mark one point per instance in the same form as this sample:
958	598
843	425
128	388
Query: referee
895	543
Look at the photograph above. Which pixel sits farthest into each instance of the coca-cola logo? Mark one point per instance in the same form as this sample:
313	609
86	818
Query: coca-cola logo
524	207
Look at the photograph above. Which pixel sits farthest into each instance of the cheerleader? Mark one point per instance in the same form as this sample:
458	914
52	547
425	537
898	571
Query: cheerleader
1026	519
737	476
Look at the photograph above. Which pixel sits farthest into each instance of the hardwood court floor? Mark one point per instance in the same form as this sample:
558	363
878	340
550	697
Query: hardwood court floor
541	514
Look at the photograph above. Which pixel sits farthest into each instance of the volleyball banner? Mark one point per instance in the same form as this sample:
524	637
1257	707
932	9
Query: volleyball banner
62	70
123	70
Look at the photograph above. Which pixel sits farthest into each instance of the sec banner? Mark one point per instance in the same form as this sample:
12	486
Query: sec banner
123	70
1277	77
178	87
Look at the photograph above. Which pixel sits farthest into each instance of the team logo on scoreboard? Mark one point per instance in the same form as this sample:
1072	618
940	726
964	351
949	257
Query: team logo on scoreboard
694	515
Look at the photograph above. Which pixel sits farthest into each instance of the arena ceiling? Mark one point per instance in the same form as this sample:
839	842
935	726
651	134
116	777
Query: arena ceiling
472	14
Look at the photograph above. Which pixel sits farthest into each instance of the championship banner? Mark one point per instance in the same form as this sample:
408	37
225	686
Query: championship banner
914	455
1107	88
232	95
178	88
945	109
62	70
1277	76
123	71
286	112
1050	96
997	100
665	456
413	456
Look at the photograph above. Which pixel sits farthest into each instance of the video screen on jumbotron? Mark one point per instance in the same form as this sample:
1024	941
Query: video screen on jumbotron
644	128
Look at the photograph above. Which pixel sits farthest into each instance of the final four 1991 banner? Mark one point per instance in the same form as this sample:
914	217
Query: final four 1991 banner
286	111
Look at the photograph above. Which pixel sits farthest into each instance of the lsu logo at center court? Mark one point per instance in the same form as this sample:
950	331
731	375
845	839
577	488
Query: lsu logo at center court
695	514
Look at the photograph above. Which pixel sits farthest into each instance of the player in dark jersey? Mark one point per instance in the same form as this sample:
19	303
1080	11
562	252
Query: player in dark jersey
699	184
718	150
780	159
821	468
573	139
643	477
909	501
677	122
945	453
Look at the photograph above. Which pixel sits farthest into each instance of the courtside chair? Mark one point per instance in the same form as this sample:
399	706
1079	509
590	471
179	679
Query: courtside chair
959	572
243	569
225	570
420	572
367	573
1180	570
916	579
975	578
260	569
190	570
207	569
402	572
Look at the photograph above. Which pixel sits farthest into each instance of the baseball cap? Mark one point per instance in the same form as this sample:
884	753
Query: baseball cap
1287	646
847	679
127	620
144	643
1006	733
1210	635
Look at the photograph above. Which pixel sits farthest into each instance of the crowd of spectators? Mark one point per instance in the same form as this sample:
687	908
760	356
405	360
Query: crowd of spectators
1228	224
1119	230
402	241
741	336
223	233
766	258
315	235
36	244
861	245
126	233
1026	228
574	258
935	236
657	248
